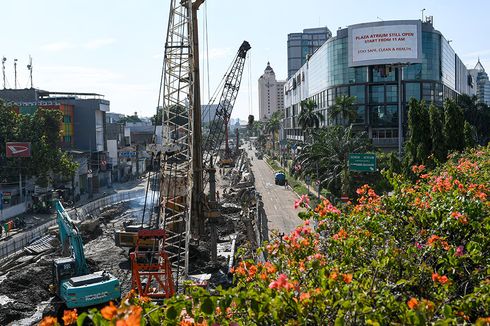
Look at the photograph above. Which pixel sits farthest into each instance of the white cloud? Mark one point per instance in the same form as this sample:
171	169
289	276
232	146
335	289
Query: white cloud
475	54
57	46
219	53
91	45
98	43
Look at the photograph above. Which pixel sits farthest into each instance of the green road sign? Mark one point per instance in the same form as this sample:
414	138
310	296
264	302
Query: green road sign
362	162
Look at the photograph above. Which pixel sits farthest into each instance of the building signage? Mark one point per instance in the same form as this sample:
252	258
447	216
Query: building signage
383	43
362	162
18	149
127	154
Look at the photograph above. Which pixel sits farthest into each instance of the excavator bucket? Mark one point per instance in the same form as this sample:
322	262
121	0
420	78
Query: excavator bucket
150	267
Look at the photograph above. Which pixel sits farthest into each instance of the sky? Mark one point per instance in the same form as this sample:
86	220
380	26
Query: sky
115	47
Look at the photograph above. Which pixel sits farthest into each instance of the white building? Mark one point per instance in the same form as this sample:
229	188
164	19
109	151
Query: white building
271	94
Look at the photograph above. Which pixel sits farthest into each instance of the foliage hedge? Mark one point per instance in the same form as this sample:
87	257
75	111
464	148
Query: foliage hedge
417	256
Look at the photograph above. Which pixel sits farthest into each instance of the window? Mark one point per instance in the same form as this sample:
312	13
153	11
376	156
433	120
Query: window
359	93
412	90
376	94
391	93
384	115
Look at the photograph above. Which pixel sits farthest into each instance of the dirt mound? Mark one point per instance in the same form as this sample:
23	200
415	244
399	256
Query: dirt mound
28	287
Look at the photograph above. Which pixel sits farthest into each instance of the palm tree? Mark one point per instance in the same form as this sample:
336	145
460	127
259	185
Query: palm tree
273	125
344	108
308	117
329	153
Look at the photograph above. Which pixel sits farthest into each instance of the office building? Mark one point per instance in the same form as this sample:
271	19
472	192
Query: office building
302	45
480	83
271	95
363	61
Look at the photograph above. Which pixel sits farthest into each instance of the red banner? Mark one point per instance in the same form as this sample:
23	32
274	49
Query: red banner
18	149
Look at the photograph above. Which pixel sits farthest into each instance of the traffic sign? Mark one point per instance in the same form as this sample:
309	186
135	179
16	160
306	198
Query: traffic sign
362	162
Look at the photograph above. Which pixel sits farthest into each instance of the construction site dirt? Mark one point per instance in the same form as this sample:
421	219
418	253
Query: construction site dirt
24	291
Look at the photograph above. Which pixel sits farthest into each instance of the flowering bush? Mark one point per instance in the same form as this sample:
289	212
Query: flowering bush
420	255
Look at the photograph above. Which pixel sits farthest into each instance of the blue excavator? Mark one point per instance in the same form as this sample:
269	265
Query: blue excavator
72	281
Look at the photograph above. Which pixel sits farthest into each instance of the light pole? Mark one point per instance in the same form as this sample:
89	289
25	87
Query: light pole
399	67
423	14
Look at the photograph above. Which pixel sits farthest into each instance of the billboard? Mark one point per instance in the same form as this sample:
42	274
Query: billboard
18	149
382	43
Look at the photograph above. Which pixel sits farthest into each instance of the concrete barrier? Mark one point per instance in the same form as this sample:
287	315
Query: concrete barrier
13	211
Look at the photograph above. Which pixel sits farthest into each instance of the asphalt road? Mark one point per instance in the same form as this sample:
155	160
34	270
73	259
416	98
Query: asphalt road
278	201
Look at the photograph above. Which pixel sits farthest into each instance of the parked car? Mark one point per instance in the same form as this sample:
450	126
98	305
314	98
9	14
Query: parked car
280	178
259	155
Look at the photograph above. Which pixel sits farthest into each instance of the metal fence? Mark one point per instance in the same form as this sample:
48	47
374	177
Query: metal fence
21	240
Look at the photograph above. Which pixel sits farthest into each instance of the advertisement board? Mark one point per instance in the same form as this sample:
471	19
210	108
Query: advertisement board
382	43
18	149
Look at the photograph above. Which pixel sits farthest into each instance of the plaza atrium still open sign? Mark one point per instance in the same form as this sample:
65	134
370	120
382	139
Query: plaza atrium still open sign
384	44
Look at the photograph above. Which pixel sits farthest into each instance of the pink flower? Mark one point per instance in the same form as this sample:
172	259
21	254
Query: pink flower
459	251
418	245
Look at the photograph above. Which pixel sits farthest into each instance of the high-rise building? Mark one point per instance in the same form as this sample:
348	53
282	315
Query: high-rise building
481	83
358	62
303	45
271	94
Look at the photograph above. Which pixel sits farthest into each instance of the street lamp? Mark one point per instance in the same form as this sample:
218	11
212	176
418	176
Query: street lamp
423	14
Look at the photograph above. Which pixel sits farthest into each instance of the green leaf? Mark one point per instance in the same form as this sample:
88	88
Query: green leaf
339	321
171	313
207	306
448	311
81	318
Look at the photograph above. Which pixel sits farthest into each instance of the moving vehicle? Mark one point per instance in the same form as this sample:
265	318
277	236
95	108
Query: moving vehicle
280	178
72	281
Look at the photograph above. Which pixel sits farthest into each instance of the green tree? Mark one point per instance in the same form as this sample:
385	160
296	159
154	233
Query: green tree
329	152
344	109
273	125
156	120
131	119
478	115
419	144
469	135
250	125
43	131
436	133
308	118
453	126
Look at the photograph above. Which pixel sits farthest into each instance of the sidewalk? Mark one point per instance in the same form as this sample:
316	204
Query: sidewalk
311	189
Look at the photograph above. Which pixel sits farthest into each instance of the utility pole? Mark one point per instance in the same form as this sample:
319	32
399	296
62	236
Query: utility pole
29	66
3	70
15	73
197	215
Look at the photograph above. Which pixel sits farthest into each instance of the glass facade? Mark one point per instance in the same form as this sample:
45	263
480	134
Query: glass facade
441	75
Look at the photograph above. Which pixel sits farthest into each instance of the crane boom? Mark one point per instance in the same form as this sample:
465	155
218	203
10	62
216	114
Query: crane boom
70	235
226	102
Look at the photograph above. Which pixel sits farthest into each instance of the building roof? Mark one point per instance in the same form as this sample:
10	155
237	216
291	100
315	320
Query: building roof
269	69
479	66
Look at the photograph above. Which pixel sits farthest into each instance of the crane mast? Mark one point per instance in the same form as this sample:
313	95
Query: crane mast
226	102
176	154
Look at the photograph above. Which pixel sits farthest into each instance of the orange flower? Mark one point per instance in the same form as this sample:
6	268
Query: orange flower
333	275
145	299
49	321
70	317
435	277
304	296
347	278
134	318
439	279
412	303
109	312
443	279
263	276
